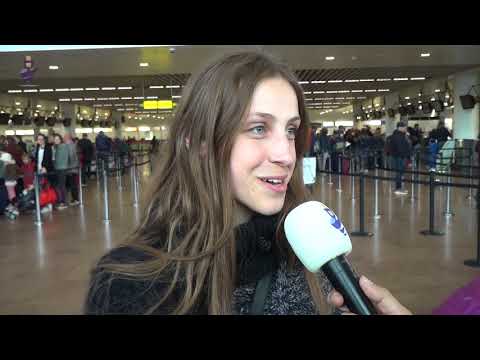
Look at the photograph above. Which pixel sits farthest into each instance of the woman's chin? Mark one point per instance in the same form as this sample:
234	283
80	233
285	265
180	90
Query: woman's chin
270	207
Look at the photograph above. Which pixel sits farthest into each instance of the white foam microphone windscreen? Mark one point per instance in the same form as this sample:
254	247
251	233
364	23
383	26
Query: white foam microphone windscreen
316	234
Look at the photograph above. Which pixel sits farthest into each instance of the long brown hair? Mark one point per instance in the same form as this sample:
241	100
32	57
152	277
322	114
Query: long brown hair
188	226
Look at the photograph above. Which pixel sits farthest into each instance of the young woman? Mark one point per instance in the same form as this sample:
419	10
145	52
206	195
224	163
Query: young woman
213	225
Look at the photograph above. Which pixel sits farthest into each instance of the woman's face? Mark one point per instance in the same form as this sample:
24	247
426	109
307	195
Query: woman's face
57	140
263	155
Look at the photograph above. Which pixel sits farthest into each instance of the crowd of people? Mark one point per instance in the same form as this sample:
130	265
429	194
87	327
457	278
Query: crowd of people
394	151
58	160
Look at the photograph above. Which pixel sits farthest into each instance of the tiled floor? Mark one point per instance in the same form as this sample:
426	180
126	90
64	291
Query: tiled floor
45	270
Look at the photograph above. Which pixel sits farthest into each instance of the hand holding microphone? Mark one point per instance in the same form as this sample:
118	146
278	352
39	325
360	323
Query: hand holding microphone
320	241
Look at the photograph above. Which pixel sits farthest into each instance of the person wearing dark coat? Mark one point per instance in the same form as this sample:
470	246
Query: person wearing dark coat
400	149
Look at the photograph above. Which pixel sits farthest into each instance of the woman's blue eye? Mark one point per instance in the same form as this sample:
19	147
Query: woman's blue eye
292	132
258	130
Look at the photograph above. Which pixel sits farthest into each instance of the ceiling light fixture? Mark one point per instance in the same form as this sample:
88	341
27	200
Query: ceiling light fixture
172	86
46	90
424	54
156	86
108	88
126	98
351	81
62	89
334	81
400	79
30	91
92	88
318	82
418	78
53	67
330	58
386	79
125	88
144	64
366	80
63	99
14	91
304	82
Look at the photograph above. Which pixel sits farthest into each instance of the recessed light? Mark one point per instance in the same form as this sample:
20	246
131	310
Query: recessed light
138	97
76	89
407	97
357	91
89	99
156	86
62	89
437	90
425	54
334	81
30	91
53	67
39	106
384	79
319	92
92	88
152	97
109	88
383	90
330	58
77	99
144	64
400	79
113	98
417	78
332	92
63	99
307	92
14	91
366	80
172	86
125	88
352	81
318	82
304	82
176	96
17	103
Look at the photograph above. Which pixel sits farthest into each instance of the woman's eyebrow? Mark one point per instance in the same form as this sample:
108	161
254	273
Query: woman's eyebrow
270	116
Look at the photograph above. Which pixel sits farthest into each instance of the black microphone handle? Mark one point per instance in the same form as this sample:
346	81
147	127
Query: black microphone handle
343	279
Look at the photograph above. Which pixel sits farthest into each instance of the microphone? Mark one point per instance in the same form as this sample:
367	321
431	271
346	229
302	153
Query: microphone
320	241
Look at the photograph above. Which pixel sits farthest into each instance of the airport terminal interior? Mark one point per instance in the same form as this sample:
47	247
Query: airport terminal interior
422	249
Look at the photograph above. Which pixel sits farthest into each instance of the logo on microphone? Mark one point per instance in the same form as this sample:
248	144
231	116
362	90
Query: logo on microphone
335	221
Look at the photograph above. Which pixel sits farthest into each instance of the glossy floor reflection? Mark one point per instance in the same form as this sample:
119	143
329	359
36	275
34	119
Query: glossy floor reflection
45	270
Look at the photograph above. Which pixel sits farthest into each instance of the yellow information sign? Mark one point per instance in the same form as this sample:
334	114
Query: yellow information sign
158	104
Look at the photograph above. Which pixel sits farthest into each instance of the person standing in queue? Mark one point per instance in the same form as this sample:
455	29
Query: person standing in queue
400	149
213	224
